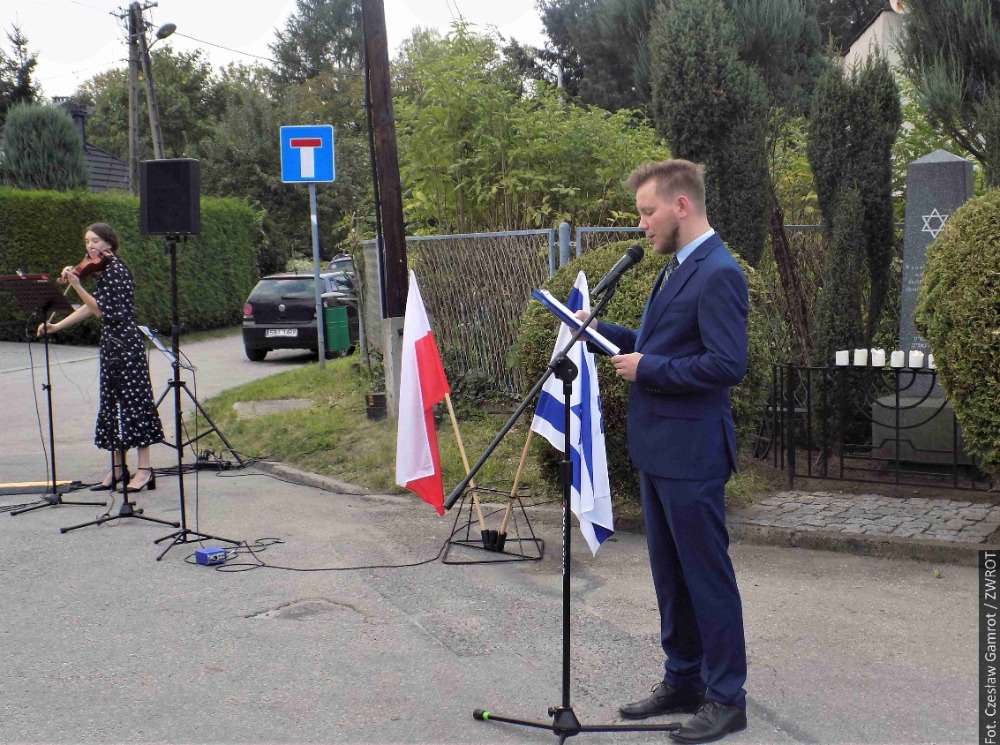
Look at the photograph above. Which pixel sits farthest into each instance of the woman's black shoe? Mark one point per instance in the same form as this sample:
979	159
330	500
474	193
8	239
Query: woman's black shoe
150	482
115	475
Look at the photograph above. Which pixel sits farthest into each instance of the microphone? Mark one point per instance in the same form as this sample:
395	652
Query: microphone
633	255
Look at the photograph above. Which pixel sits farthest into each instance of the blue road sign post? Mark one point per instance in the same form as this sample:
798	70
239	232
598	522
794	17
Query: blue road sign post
307	157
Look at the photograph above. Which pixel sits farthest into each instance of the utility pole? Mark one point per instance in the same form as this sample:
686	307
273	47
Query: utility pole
389	193
133	99
147	74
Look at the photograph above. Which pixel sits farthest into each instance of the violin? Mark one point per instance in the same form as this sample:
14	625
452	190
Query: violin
87	267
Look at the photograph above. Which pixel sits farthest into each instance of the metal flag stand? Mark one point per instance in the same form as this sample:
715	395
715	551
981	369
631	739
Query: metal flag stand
493	541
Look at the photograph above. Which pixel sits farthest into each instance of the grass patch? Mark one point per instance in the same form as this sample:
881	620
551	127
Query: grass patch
192	336
334	437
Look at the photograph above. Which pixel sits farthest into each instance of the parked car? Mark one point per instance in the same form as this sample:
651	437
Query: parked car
280	312
341	263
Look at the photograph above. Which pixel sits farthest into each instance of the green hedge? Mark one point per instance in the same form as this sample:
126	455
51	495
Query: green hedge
538	333
42	231
958	312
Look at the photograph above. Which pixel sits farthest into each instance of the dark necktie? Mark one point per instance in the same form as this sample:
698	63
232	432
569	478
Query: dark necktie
669	269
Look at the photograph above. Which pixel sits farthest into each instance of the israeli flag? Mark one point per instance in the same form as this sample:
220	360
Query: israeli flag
591	495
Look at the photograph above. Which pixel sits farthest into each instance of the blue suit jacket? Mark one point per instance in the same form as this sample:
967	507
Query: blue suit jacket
693	340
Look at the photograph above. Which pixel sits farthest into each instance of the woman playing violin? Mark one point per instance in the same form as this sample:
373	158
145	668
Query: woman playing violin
124	373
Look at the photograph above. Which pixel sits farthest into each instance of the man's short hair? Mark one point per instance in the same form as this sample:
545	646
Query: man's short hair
672	177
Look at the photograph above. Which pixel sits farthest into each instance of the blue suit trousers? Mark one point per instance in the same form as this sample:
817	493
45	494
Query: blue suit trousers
701	614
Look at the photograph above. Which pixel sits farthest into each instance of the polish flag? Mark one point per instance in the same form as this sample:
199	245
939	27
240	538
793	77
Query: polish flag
422	384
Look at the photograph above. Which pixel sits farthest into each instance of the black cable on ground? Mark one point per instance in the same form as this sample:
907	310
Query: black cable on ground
260	545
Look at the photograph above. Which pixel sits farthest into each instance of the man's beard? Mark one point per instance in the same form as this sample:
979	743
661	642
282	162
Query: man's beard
670	244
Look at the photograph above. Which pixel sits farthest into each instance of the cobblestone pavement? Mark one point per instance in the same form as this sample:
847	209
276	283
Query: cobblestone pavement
875	515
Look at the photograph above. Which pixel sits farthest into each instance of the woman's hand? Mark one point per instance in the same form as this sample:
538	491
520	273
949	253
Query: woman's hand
46	328
71	276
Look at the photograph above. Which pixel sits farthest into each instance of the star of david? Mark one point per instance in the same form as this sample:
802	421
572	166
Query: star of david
932	217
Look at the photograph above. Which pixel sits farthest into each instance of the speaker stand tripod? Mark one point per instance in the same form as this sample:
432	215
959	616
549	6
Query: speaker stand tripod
39	298
184	535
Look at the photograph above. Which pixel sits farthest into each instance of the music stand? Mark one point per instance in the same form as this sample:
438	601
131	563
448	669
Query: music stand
38	296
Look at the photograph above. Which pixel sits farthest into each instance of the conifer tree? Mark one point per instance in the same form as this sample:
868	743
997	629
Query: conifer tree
16	69
711	108
42	149
852	127
951	52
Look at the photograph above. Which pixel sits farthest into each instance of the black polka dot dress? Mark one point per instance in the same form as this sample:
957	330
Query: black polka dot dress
125	385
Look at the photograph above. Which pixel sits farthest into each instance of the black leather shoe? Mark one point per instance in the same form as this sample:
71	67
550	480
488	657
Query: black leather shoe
712	722
663	700
113	476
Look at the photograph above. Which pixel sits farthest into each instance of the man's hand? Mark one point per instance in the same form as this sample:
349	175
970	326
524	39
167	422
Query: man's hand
627	365
581	315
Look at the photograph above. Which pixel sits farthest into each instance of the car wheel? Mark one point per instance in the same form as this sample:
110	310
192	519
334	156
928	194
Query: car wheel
255	355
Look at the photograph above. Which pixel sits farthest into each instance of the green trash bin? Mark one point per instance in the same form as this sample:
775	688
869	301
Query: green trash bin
338	337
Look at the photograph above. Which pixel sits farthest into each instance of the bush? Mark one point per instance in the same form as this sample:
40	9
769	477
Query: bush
538	334
42	231
42	149
958	312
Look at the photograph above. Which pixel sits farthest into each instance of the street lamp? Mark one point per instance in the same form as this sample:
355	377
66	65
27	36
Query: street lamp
164	31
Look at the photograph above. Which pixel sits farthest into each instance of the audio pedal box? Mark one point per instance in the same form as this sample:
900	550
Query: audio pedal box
209	556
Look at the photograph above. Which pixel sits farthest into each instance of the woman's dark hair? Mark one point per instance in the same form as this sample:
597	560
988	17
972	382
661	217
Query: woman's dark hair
105	232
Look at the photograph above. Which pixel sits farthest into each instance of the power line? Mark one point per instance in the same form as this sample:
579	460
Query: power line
228	49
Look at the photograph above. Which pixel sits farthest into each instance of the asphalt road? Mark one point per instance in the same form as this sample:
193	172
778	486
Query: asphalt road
99	642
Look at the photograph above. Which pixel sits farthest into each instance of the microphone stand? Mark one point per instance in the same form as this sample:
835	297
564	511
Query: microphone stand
128	508
53	499
38	297
564	720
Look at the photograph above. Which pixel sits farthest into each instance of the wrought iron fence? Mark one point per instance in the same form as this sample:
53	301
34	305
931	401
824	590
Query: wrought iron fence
865	424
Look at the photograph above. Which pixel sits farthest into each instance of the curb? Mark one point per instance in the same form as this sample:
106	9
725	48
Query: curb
882	547
307	478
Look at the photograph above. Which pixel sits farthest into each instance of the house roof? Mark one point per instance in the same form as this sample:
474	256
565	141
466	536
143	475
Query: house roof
106	172
871	22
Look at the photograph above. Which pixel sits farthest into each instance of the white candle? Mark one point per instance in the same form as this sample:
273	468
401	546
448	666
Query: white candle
930	362
878	358
861	357
897	359
916	358
843	357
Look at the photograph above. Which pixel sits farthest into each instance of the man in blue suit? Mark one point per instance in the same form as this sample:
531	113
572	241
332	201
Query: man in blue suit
691	347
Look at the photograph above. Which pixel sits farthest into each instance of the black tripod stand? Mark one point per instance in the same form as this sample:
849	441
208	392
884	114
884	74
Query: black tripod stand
564	720
39	298
177	382
184	535
112	385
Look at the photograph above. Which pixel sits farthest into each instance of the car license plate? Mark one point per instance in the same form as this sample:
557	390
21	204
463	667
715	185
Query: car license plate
281	332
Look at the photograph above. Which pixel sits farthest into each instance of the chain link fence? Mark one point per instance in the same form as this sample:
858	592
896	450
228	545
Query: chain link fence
475	287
